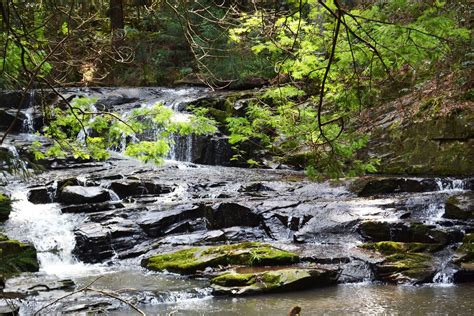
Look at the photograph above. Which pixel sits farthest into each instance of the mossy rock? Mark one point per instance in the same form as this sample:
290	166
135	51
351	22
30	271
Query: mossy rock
404	262
288	279
465	253
188	261
5	207
17	257
392	247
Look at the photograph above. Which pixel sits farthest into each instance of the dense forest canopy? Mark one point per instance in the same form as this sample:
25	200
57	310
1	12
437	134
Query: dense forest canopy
321	62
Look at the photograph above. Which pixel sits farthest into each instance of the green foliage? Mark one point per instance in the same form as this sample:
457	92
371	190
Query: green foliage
398	39
84	133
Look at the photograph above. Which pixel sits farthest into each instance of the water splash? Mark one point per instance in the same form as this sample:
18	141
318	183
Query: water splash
447	185
51	232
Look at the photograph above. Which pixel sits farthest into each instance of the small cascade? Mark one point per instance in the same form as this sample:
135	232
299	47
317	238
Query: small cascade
451	184
12	163
50	231
445	274
28	123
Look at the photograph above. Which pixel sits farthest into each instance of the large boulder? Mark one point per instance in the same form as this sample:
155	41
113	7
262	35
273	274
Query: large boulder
16	257
404	262
126	189
189	261
460	206
157	224
93	243
375	186
406	232
288	279
39	195
76	194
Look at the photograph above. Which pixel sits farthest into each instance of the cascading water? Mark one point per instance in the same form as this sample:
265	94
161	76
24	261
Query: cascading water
50	231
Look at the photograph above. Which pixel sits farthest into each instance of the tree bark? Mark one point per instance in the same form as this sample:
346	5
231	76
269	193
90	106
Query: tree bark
116	15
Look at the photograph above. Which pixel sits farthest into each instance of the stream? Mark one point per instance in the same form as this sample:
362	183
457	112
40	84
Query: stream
103	243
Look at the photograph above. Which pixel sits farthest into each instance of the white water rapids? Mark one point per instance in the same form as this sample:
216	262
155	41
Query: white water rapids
51	232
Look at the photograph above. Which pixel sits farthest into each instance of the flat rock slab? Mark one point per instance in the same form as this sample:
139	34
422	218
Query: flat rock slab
288	279
76	194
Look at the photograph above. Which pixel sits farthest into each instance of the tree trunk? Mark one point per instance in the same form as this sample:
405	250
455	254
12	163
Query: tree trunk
116	15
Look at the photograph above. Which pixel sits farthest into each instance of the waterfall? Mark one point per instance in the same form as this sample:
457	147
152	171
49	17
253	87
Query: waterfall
13	164
445	274
450	184
28	123
50	231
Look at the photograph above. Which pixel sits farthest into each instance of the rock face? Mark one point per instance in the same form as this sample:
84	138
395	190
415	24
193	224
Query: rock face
289	279
190	261
126	189
16	257
75	194
460	206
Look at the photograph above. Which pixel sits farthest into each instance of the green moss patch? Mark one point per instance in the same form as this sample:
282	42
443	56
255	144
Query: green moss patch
189	261
392	247
465	253
404	262
16	257
231	283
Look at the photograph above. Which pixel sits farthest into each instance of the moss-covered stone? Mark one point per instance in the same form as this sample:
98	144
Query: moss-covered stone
5	207
465	253
189	261
392	247
404	262
232	283
16	257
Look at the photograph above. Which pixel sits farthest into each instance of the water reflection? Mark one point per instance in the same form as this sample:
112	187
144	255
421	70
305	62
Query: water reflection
347	299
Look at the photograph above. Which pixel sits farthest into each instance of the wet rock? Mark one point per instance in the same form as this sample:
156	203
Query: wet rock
39	195
80	195
404	262
375	186
66	284
93	243
126	189
215	151
190	261
7	117
290	279
232	214
404	232
239	233
157	224
87	308
92	207
460	206
255	187
5	207
16	257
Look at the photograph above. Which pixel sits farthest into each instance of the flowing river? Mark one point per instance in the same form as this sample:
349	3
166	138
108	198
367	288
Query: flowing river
319	221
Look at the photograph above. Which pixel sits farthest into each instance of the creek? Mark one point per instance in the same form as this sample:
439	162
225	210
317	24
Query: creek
103	243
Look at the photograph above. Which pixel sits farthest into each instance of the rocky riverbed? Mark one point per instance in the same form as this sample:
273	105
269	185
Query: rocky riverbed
113	231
